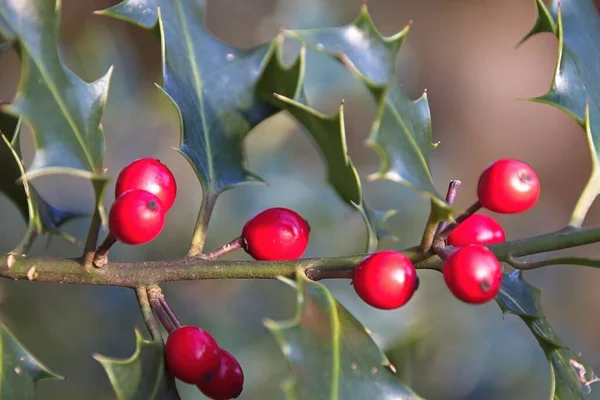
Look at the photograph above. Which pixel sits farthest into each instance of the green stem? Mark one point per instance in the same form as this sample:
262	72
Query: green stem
144	303
136	274
430	229
523	265
89	249
199	236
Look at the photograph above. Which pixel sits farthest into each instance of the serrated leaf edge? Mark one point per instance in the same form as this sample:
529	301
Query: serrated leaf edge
104	361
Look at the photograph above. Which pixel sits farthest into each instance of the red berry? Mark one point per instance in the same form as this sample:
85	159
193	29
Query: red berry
150	175
227	383
473	274
136	217
385	280
276	234
508	186
477	229
192	354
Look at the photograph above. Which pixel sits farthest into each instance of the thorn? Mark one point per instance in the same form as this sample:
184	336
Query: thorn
393	368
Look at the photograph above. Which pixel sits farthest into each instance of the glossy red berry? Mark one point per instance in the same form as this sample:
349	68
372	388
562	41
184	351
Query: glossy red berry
508	186
276	234
227	383
136	217
473	274
477	229
385	280
150	175
192	354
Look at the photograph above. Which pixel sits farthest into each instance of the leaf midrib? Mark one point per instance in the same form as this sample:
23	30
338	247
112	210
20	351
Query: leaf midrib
59	100
411	139
198	88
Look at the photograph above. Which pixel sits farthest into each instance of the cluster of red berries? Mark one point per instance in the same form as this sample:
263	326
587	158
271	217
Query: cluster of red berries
388	279
144	192
193	356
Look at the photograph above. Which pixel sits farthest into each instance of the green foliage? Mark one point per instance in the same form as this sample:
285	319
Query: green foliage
142	376
20	370
401	130
575	89
330	353
41	217
568	370
63	111
197	67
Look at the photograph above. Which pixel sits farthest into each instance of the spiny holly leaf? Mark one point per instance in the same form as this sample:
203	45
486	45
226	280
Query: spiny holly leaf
329	135
359	45
142	376
64	111
211	84
327	132
20	370
41	217
569	372
330	354
575	86
401	131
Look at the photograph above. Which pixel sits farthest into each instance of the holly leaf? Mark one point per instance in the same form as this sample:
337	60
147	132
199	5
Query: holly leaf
282	87
330	353
575	88
20	370
41	217
210	83
143	375
401	131
569	372
63	111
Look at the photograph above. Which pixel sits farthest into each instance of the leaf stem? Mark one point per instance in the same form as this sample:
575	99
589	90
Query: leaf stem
89	249
201	228
430	229
235	244
155	294
144	303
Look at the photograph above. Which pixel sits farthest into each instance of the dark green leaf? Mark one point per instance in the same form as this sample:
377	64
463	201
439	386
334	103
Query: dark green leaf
575	88
20	370
569	372
359	45
401	131
330	354
41	217
64	111
142	376
211	84
329	135
279	85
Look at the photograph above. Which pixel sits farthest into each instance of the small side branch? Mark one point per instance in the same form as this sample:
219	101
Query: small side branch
144	303
524	266
155	295
235	244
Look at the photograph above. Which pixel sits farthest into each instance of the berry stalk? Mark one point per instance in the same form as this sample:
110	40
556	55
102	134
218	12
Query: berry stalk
155	295
235	244
101	257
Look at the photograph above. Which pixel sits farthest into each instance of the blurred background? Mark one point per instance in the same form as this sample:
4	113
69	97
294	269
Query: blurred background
464	53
